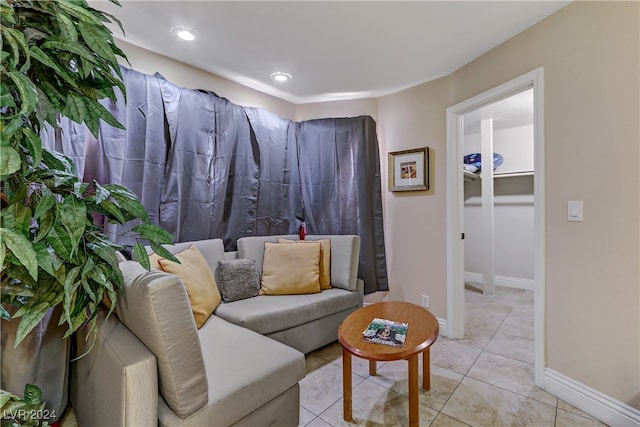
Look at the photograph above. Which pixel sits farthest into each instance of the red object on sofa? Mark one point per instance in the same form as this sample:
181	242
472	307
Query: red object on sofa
302	231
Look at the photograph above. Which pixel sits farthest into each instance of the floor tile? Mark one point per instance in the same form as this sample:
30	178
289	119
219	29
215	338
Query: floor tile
567	419
512	346
318	422
375	405
479	404
519	322
453	356
322	387
476	336
488	315
510	374
443	420
570	408
333	353
443	382
305	417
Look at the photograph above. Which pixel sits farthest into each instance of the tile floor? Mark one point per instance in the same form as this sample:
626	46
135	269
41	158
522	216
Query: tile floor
485	379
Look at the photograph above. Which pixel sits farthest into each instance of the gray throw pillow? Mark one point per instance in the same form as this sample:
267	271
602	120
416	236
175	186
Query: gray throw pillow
239	279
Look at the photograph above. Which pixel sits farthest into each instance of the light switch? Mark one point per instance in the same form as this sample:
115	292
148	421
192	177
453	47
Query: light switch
574	210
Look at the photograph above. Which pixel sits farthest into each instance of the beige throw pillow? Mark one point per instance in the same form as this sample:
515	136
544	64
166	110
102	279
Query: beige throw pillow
325	259
198	279
290	269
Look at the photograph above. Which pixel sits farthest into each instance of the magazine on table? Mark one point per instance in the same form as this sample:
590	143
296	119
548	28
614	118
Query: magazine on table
388	332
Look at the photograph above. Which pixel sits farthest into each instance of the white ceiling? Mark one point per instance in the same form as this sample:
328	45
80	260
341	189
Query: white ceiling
334	50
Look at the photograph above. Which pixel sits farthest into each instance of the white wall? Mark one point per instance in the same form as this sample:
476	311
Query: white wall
514	144
513	232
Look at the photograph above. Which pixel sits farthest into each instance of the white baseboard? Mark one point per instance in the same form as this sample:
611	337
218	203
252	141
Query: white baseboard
442	323
505	281
597	404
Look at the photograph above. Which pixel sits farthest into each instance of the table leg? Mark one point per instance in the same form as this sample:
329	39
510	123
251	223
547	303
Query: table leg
372	368
346	384
414	414
426	369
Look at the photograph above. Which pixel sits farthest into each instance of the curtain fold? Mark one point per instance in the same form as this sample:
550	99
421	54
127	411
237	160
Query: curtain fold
341	188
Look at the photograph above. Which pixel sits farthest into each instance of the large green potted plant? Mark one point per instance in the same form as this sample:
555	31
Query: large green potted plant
58	58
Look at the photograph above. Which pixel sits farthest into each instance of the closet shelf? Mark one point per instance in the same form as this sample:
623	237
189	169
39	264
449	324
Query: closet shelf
471	177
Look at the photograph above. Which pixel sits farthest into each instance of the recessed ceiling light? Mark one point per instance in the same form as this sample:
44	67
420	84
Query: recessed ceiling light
281	77
185	33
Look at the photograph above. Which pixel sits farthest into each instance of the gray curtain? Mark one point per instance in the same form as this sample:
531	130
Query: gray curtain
340	177
206	168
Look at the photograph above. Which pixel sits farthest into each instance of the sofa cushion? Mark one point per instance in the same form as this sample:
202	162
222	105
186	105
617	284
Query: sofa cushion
253	246
325	259
267	314
345	253
238	279
245	370
198	279
211	249
155	307
289	270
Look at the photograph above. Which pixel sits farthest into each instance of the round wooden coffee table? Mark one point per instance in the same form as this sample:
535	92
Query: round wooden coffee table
421	333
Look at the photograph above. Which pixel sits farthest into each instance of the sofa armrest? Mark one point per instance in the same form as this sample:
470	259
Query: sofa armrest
360	291
116	383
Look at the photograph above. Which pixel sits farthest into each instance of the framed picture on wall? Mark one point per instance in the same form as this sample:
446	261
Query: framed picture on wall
409	170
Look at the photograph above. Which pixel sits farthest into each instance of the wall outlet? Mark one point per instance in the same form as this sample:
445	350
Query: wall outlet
425	301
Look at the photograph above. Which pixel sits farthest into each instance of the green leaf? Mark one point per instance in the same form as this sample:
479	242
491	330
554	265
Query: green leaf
112	211
104	114
26	90
67	29
140	254
60	241
79	12
22	249
153	233
73	216
164	253
44	225
96	38
44	258
55	160
30	320
32	394
59	44
101	193
129	204
6	99
10	129
9	160
34	145
105	252
4	314
43	58
70	287
76	109
17	217
46	202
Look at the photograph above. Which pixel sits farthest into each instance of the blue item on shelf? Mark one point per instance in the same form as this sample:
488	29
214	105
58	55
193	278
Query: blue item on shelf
475	159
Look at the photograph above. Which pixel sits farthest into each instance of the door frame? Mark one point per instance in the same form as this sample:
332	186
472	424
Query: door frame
455	207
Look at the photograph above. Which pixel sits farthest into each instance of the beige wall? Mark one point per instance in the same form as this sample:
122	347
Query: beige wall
590	54
350	108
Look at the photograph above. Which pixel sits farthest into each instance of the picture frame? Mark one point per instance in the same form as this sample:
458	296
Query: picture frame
409	170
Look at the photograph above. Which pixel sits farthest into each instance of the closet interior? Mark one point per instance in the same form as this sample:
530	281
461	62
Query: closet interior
498	200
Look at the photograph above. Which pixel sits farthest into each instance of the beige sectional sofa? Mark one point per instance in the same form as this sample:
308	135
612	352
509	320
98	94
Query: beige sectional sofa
150	365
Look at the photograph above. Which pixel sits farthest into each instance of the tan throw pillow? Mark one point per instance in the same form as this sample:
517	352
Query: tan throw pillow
290	269
154	259
325	259
198	279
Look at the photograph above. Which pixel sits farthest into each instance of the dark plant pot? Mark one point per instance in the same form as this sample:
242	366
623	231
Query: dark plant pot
42	359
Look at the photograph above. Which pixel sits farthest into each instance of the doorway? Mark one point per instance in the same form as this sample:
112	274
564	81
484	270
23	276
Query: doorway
455	205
